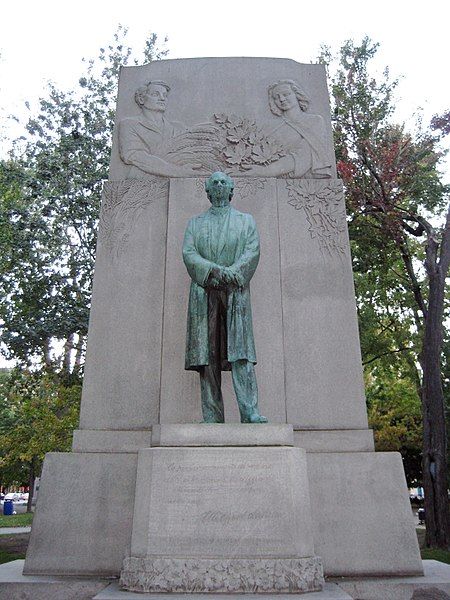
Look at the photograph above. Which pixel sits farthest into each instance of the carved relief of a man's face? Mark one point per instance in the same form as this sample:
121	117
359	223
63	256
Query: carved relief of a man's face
284	96
155	97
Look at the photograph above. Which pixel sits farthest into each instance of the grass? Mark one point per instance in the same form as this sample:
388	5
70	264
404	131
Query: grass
431	553
435	554
9	556
22	520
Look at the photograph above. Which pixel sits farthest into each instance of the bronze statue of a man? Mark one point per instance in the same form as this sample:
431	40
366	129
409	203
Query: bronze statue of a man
221	253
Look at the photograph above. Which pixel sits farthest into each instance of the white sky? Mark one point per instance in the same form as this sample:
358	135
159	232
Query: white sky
46	40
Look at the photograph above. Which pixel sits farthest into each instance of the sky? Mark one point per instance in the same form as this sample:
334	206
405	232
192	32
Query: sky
46	40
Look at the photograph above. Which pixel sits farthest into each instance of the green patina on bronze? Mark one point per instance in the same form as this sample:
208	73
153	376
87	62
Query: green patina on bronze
221	253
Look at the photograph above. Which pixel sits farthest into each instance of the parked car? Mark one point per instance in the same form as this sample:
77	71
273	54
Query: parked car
17	497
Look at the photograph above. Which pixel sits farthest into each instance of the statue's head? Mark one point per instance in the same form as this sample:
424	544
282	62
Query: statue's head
152	95
219	189
285	94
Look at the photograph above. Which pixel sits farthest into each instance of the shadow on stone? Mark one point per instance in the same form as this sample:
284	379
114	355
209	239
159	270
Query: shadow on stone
431	593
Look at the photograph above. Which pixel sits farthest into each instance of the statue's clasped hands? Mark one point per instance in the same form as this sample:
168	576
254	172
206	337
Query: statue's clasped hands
222	278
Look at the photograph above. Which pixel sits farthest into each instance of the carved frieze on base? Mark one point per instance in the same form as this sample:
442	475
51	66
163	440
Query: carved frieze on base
226	575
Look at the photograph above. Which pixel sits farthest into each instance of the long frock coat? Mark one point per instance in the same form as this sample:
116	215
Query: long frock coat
226	237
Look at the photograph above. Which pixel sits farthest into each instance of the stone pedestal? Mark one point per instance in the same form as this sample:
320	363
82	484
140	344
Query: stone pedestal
229	518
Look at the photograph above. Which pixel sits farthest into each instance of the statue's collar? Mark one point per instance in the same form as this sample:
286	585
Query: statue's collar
219	210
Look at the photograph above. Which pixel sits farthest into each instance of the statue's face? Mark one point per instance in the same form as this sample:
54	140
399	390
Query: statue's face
284	96
155	98
219	187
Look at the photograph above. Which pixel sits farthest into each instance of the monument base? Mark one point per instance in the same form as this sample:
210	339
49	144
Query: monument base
231	519
362	523
234	575
13	584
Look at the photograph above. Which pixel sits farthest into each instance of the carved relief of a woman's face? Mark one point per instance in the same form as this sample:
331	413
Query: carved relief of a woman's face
284	97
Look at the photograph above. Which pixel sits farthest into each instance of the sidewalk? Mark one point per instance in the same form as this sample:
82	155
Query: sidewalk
11	530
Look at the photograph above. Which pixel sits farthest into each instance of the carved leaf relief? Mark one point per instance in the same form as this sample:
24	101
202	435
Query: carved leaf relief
323	205
122	204
249	187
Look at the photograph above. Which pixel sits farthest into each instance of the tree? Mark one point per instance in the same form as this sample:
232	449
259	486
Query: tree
395	416
41	414
394	196
50	192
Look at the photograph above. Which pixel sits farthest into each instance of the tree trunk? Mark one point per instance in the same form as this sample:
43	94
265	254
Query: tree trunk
67	359
434	461
47	353
78	354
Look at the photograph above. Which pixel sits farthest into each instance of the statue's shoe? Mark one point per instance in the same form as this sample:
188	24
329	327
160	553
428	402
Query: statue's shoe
257	418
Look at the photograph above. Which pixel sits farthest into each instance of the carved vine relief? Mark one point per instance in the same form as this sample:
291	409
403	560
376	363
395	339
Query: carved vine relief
122	204
323	205
295	147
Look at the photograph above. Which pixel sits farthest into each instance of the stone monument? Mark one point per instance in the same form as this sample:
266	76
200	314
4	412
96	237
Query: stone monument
132	496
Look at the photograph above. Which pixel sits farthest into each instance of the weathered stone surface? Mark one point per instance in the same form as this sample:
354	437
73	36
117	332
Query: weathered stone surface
97	440
209	434
121	383
223	519
84	512
191	434
222	503
436	576
233	575
330	591
334	440
14	585
362	517
324	385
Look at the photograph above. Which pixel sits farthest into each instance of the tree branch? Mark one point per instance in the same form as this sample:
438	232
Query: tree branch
404	251
367	362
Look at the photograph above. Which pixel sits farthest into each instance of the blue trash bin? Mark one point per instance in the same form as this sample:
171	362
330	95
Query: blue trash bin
8	507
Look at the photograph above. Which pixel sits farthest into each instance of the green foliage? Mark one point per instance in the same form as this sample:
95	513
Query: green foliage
395	415
50	192
38	415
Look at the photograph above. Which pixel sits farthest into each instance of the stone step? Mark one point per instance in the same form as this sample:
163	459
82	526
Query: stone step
15	586
331	591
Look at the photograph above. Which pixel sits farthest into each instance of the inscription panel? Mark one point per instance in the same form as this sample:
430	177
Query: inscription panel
223	502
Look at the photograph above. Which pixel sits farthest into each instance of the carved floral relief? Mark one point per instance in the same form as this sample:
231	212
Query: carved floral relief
323	205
